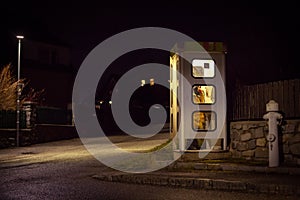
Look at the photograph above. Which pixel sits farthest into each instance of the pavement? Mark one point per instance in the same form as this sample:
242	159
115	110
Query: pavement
222	176
203	174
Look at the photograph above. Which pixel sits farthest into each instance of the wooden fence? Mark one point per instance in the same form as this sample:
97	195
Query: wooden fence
249	102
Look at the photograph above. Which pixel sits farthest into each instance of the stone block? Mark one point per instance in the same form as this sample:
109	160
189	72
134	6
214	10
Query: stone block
286	137
288	157
235	135
242	146
259	133
290	128
251	144
261	152
249	153
252	126
234	144
245	127
246	136
236	154
295	139
286	149
238	126
295	149
261	142
232	132
252	130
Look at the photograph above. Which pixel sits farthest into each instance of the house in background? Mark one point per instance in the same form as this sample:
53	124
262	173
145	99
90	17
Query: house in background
45	62
47	65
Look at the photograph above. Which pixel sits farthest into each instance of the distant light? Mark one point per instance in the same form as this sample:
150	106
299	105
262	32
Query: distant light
101	102
152	81
143	82
20	36
110	102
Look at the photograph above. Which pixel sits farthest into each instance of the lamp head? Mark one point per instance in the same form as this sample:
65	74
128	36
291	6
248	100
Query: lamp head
20	36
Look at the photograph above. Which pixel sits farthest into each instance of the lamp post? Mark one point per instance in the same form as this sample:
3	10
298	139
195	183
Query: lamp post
19	89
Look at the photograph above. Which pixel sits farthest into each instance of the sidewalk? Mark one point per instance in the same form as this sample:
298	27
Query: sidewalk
213	180
222	176
206	175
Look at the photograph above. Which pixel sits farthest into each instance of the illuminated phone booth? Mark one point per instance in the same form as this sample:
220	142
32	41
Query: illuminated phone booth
198	96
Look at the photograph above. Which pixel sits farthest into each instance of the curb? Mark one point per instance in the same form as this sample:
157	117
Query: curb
240	168
200	183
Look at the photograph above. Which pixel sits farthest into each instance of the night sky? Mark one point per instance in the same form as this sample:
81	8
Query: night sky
261	38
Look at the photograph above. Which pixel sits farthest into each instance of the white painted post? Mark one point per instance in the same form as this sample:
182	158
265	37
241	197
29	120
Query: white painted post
273	116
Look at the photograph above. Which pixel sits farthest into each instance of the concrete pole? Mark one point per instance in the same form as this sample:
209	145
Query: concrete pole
18	91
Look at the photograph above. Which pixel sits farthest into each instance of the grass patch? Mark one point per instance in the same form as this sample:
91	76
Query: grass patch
159	147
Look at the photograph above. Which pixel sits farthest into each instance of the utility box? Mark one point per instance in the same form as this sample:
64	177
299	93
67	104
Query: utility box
197	81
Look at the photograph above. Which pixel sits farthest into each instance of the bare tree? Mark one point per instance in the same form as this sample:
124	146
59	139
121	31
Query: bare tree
8	90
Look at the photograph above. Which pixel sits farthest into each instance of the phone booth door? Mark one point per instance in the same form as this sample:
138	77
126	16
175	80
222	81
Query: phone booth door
201	117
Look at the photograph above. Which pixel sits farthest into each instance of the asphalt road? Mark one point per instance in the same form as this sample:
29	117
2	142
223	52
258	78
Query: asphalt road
64	170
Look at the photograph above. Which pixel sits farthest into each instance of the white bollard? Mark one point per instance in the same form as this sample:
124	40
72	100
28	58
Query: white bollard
273	116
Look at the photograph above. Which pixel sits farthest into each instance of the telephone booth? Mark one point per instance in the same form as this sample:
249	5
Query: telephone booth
201	114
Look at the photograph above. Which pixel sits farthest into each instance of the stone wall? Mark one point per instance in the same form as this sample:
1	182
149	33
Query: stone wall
39	134
8	137
51	126
249	141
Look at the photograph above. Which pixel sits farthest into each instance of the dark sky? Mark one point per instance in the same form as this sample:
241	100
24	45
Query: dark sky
261	38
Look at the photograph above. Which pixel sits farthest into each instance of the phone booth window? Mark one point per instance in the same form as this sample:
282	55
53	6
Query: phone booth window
204	121
203	94
203	68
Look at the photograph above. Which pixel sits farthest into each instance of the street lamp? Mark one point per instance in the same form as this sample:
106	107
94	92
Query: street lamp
19	90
